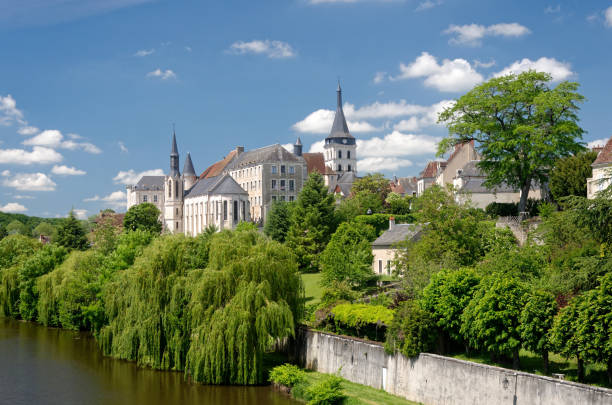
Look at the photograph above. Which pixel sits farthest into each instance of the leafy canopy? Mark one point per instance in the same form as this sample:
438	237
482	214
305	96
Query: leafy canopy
71	234
143	216
569	175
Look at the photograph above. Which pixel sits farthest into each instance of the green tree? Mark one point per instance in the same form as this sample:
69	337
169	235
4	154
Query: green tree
564	336
569	175
277	223
521	127
105	235
3	232
71	234
312	223
373	184
398	205
535	323
348	256
491	319
412	331
143	216
45	228
16	227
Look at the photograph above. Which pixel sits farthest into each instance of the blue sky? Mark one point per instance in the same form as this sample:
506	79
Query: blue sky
89	89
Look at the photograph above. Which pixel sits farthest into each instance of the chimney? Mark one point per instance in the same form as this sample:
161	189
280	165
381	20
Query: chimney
239	150
391	223
297	147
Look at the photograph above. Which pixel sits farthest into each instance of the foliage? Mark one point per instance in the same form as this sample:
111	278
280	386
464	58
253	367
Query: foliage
412	330
491	319
45	228
287	374
14	251
496	209
521	127
348	256
244	226
564	336
312	223
359	315
374	184
3	232
569	175
277	223
71	234
338	292
380	222
328	391
143	216
536	321
16	227
105	235
527	262
348	209
593	214
447	296
397	204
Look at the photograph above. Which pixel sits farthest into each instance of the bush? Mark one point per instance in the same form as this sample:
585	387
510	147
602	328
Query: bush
326	392
370	321
412	331
496	209
287	375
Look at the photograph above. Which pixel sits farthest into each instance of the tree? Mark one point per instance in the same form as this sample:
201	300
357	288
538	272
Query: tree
569	175
412	330
3	232
70	233
397	204
16	227
105	235
372	184
535	323
46	229
521	127
348	256
312	223
143	216
491	319
564	336
277	223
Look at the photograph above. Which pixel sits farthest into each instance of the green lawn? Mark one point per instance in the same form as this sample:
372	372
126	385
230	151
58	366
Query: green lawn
358	394
312	288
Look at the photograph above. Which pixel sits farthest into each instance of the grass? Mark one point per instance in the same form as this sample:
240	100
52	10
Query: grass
312	287
357	394
595	374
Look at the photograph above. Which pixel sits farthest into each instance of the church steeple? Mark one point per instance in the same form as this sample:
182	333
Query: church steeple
339	128
174	158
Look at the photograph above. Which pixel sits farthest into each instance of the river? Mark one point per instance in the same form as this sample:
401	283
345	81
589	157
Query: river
40	366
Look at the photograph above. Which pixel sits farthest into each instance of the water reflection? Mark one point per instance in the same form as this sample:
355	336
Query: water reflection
39	365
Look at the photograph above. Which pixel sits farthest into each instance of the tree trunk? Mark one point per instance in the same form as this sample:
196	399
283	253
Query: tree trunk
516	363
524	195
545	357
580	369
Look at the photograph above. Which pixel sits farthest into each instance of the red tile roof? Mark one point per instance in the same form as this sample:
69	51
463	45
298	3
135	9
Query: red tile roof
315	161
217	168
433	168
397	188
605	156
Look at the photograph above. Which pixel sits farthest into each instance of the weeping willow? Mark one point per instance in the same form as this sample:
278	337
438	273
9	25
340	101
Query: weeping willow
14	252
211	306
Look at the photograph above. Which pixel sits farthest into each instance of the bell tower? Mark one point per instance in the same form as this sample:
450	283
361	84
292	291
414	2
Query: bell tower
174	187
340	147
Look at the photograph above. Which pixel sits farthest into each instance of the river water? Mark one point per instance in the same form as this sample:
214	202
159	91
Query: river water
40	366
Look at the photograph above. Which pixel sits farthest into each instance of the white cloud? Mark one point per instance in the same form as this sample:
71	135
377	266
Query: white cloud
288	146
23	197
320	122
38	155
80	213
29	182
472	34
397	144
64	170
144	52
13	207
162	74
377	164
272	49
597	142
608	16
74	136
558	70
115	198
9	112
131	177
451	76
53	138
379	77
317	147
427	4
28	130
553	9
484	65
122	146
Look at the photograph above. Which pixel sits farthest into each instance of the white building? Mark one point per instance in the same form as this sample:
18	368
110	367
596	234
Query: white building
602	171
385	248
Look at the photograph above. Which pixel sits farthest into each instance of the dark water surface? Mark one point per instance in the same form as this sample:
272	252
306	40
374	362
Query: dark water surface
43	366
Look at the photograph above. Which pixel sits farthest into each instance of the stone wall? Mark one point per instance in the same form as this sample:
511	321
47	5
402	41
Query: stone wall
438	380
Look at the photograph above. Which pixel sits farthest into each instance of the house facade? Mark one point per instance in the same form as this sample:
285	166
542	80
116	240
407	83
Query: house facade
601	177
385	247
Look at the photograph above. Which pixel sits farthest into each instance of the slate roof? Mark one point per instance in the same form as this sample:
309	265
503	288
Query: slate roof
223	184
343	183
398	233
605	156
272	153
217	168
188	169
473	180
339	127
150	183
404	185
314	161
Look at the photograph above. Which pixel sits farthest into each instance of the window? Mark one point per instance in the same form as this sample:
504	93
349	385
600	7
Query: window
176	211
348	154
282	169
380	267
273	169
155	198
339	154
244	210
282	198
348	168
176	191
273	198
225	210
291	198
388	266
170	188
176	226
144	198
282	184
235	210
339	168
291	170
291	185
273	184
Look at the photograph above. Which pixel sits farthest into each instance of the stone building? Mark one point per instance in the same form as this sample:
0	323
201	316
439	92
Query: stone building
385	247
602	171
462	154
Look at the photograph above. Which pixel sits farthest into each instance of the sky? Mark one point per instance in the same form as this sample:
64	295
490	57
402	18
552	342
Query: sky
90	89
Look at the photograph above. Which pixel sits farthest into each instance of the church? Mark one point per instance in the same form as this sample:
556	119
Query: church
244	185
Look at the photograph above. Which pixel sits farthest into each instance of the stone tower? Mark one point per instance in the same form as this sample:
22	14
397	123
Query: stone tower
340	147
173	188
189	175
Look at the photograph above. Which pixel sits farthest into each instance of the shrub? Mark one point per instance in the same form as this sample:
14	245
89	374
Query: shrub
287	375
412	331
326	392
496	209
370	321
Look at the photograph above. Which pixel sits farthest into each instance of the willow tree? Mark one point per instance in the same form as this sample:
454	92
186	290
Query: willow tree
521	126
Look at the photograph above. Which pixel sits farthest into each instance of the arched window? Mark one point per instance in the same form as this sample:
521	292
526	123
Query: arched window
235	210
176	190
169	188
339	168
339	154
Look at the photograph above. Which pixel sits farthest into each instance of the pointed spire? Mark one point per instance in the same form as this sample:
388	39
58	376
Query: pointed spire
299	141
174	157
339	128
188	169
174	147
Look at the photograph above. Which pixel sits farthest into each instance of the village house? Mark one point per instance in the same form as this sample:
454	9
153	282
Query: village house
385	247
602	171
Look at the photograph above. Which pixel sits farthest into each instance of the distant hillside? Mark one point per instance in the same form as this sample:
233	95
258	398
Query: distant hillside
28	221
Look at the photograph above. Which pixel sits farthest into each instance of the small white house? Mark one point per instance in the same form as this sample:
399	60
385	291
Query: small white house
602	171
385	247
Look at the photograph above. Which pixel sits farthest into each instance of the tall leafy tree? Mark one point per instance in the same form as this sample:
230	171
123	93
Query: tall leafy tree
71	234
312	223
569	175
45	228
521	127
536	322
375	184
564	336
143	216
16	227
277	223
